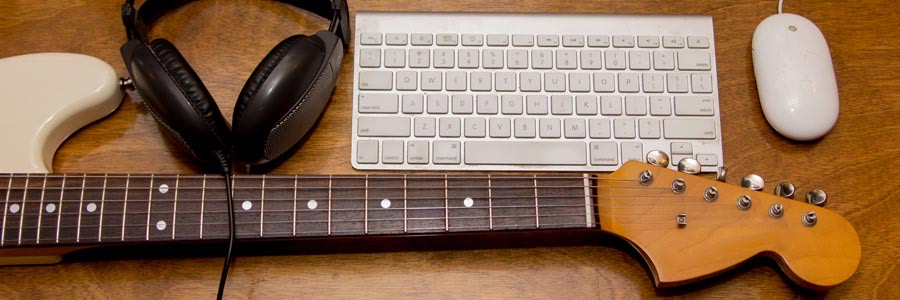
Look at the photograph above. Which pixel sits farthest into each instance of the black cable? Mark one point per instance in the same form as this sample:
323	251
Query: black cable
227	166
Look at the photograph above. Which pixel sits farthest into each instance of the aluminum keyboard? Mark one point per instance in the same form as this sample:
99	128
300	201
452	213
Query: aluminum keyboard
535	92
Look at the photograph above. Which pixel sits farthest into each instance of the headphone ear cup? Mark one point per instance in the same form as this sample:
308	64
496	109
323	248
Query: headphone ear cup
177	98
284	97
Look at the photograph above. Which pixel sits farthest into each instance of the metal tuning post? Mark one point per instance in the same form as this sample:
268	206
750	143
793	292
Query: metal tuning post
689	165
817	197
721	171
785	189
753	182
658	158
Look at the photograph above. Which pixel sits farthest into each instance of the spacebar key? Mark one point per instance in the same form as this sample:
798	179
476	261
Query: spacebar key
525	153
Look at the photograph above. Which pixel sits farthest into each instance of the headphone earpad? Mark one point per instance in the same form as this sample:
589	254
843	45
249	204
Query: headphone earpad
284	97
181	103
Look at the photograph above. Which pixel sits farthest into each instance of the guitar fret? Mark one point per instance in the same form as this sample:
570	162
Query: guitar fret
490	204
446	205
80	208
202	205
125	204
405	219
37	237
329	204
537	219
262	205
149	206
5	210
175	205
587	201
102	206
294	210
366	205
60	209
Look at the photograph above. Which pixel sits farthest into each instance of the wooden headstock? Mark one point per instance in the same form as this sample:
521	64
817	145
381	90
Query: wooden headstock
716	235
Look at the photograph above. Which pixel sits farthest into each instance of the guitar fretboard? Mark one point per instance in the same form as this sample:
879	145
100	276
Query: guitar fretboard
83	209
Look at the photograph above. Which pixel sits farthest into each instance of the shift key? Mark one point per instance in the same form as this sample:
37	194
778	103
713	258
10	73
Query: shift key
689	129
383	126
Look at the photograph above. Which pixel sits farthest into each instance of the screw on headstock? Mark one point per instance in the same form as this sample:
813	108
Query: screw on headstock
744	202
678	186
785	189
817	197
753	182
711	194
645	178
776	210
809	219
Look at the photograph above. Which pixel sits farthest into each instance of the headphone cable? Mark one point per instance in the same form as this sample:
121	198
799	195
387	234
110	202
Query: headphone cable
228	258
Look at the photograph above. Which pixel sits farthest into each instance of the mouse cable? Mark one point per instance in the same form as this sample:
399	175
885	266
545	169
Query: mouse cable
780	2
230	202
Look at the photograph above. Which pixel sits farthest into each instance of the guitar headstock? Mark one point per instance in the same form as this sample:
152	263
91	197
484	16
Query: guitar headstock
689	228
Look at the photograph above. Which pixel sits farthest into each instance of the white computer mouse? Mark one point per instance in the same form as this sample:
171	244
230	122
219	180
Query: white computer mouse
795	77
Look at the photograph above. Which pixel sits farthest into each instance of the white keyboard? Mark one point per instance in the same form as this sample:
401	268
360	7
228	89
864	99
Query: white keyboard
535	92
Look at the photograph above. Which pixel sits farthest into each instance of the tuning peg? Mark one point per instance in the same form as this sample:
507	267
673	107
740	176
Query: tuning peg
689	165
658	158
785	189
721	171
817	197
753	182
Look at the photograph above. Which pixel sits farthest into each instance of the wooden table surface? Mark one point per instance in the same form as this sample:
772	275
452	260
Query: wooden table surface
224	40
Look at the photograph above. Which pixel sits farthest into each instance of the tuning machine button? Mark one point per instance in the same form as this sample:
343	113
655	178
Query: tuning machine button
689	165
753	182
658	158
817	197
721	171
785	189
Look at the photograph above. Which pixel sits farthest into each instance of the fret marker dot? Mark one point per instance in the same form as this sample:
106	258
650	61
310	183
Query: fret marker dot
14	208
468	202
91	207
312	204
164	188
247	205
161	225
385	203
50	208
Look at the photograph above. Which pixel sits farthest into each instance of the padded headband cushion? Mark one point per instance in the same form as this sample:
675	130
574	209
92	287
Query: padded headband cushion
180	101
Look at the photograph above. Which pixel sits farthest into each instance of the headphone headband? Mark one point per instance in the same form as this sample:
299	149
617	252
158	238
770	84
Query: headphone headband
137	22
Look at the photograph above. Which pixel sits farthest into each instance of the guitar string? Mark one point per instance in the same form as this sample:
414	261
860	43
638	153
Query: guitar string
311	177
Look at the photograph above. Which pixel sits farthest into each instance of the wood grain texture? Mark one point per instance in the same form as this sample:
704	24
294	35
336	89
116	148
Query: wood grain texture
224	40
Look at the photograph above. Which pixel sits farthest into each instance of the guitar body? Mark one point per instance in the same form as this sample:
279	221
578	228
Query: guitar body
46	97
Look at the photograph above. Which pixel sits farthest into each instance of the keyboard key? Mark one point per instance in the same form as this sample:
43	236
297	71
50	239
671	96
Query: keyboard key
648	129
492	59
598	41
446	39
486	104
526	152
635	106
367	152
396	39
660	106
424	127
708	159
505	81
536	104
615	60
611	105
566	59
370	38
694	105
377	103
548	40
472	39
370	57
573	41
632	151
542	59
663	60
604	154
579	82
438	104
653	82
376	80
623	128
468	58
604	82
549	128
628	83
591	59
523	40
449	127
698	42
682	148
432	81
463	104
623	41
394	58
599	128
586	105
554	82
474	127
413	103
530	82
480	82
648	41
677	83
524	128
417	152
407	81
392	152
497	40
511	104
693	60
689	128
673	42
701	83
639	60
444	58
517	59
383	126
499	127
421	39
456	81
574	128
561	105
446	152
419	58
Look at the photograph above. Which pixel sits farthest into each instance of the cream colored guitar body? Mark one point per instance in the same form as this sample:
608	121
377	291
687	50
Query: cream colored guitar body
46	97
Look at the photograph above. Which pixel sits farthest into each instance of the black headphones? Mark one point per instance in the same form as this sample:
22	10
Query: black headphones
278	105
